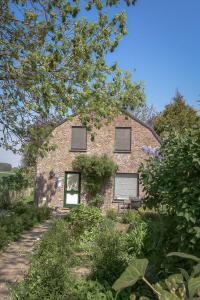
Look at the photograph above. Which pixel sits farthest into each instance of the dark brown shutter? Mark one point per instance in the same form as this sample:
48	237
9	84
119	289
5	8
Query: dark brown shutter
79	138
123	139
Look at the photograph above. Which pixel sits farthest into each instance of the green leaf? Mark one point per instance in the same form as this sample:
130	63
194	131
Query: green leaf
196	270
184	273
174	280
165	295
184	255
134	272
193	286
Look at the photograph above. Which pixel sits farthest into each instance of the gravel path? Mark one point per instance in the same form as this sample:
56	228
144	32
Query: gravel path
14	261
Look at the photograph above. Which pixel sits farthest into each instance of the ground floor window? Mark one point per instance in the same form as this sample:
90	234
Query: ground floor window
72	188
126	186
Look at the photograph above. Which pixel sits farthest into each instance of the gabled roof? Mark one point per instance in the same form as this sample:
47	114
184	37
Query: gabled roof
145	125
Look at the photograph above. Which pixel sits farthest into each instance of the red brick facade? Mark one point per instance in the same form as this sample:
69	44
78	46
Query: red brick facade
60	160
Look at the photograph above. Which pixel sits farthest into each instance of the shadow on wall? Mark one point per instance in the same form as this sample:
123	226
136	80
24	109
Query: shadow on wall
45	188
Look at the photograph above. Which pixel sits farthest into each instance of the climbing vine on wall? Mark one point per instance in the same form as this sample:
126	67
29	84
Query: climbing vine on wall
96	171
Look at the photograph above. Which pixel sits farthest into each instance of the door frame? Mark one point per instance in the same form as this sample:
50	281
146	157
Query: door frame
65	189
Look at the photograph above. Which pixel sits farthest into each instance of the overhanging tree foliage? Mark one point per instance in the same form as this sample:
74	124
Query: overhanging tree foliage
52	63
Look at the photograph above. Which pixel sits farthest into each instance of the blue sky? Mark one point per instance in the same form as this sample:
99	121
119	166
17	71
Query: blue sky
162	49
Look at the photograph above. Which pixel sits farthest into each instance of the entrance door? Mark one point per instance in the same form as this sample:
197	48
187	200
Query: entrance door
72	189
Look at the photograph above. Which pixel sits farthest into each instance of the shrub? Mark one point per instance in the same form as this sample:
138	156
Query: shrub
83	217
128	216
136	237
4	238
48	277
96	200
97	171
91	290
109	255
20	217
112	214
171	181
12	183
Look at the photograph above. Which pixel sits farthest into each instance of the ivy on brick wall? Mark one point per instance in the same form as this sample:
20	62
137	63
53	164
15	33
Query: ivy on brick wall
96	172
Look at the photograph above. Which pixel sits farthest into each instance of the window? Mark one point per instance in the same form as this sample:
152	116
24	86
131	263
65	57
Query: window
122	139
79	139
126	185
72	188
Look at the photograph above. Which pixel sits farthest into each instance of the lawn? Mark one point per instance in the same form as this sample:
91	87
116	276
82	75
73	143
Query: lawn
5	174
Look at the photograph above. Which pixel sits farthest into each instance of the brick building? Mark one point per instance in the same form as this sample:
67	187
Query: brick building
122	140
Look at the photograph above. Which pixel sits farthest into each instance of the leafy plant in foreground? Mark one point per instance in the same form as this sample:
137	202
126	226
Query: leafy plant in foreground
176	287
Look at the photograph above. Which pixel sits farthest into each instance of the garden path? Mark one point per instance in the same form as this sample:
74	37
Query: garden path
15	260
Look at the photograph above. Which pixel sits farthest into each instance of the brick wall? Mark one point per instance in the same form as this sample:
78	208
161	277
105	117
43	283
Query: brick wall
61	159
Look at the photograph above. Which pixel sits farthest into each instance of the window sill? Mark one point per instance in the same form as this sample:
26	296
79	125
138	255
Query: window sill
122	152
119	201
77	150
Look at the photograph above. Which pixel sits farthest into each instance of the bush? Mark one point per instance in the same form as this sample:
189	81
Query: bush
83	217
91	290
171	182
96	171
12	183
128	216
48	277
20	217
109	255
136	238
112	214
96	200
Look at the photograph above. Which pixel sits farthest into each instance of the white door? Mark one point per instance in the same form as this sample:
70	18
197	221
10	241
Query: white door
72	189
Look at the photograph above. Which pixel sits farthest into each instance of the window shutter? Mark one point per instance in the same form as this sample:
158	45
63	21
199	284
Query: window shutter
79	138
123	139
126	185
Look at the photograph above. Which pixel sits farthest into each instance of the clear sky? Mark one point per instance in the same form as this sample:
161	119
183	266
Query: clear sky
162	49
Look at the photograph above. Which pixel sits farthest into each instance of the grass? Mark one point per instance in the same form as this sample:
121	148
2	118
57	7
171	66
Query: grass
5	174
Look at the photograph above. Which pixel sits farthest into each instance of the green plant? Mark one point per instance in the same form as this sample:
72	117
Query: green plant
83	217
109	255
96	200
91	290
180	286
49	276
20	217
111	214
171	182
97	171
128	216
12	183
136	237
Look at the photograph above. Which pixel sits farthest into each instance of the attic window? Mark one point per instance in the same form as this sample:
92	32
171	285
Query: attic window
79	138
123	139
